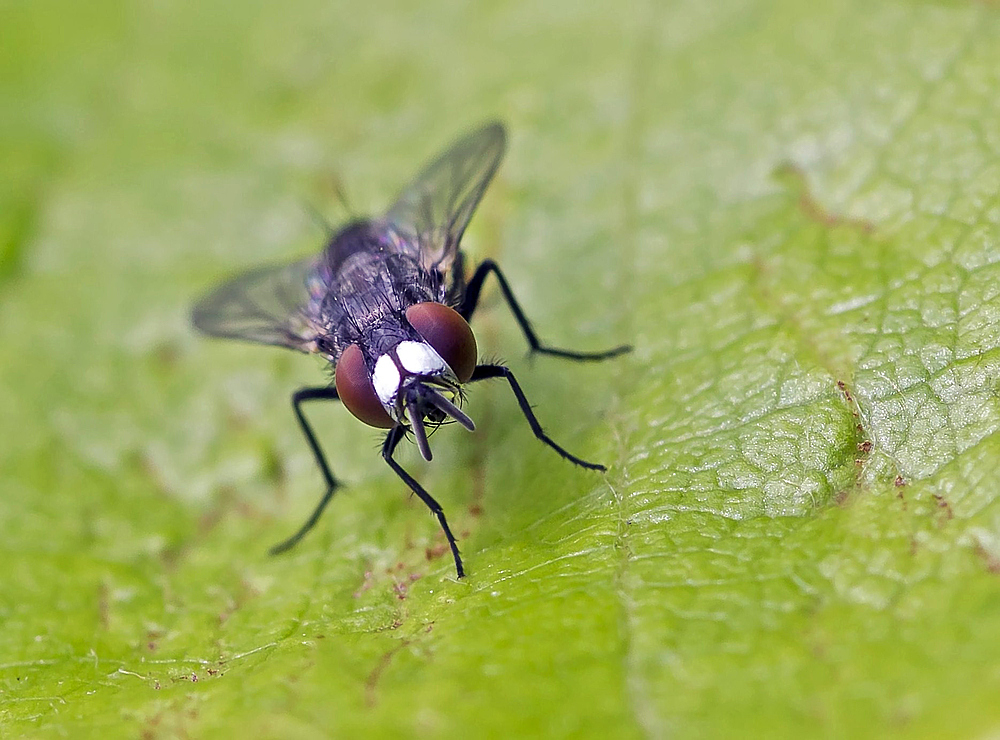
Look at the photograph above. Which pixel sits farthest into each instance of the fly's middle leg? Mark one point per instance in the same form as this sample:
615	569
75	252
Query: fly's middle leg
485	372
471	300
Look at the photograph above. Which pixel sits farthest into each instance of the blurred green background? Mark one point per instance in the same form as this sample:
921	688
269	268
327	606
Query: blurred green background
790	209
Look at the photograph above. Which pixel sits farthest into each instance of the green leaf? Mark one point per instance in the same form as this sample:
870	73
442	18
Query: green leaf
789	209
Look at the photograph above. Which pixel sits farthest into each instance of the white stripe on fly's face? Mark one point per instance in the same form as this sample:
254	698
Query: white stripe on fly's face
386	380
420	358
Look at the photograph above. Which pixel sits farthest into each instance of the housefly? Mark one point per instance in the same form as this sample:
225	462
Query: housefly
387	304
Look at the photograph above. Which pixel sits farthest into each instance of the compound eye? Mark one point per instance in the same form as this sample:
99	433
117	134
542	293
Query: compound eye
355	389
448	333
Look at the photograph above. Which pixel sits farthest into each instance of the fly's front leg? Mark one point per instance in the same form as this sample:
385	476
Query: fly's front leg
485	372
471	300
298	398
388	448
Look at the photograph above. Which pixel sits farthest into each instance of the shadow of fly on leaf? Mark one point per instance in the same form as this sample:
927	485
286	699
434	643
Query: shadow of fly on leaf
386	303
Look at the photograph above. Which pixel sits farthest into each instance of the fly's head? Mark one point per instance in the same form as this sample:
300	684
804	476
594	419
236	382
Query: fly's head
418	381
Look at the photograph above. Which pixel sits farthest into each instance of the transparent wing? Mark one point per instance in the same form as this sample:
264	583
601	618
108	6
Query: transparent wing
268	305
433	211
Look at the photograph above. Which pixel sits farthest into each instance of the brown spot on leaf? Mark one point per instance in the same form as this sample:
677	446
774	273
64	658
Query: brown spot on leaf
991	561
104	605
944	505
365	585
166	354
371	682
795	177
436	551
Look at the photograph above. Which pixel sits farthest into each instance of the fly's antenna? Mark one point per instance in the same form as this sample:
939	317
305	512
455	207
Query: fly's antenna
417	422
450	409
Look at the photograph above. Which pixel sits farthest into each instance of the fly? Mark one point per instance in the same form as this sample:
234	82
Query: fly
386	303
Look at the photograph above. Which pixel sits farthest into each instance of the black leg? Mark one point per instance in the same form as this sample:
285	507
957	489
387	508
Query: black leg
485	372
471	300
298	398
388	448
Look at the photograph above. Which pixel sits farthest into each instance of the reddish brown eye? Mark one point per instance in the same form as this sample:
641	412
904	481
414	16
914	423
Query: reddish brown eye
356	391
448	333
